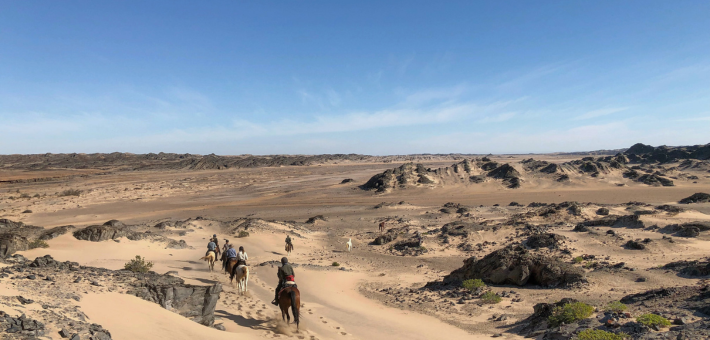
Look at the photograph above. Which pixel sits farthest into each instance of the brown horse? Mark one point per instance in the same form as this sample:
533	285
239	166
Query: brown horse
382	227
230	265
289	248
290	297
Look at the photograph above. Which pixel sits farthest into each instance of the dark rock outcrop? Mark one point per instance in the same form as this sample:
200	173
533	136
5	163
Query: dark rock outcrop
628	221
699	197
316	218
191	301
603	211
55	232
509	175
547	240
20	327
655	180
690	268
108	231
690	229
194	302
385	238
10	243
516	265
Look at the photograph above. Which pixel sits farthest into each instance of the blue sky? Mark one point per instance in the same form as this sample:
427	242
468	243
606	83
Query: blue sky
371	77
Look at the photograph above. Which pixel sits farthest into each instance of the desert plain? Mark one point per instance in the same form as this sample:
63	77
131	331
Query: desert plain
629	225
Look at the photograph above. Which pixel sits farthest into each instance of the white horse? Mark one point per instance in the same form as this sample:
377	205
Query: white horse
350	244
242	274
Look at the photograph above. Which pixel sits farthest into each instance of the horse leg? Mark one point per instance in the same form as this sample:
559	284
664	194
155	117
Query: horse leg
294	307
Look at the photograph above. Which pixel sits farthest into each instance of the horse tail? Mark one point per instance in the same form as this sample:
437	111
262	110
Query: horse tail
294	306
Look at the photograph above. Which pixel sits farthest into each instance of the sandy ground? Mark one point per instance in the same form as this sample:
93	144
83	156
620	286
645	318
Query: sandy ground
336	303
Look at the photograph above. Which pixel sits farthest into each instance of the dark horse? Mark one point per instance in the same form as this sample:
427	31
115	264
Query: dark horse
230	265
290	297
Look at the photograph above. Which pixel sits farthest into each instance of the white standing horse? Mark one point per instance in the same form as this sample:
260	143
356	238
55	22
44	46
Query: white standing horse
350	244
242	274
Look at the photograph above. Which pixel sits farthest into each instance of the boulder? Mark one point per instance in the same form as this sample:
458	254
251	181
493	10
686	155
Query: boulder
108	231
699	197
690	229
655	180
603	211
10	243
628	221
690	268
635	245
516	265
385	238
194	302
163	225
54	232
173	244
547	240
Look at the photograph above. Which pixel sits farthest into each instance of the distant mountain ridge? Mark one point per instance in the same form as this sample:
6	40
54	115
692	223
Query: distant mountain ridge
640	153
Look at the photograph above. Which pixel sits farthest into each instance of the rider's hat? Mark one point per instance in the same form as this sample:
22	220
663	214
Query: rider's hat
284	260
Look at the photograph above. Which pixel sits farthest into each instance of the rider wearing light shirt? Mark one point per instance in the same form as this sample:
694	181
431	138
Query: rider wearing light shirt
242	257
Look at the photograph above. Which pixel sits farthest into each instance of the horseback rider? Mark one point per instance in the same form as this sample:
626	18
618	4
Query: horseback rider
224	253
231	253
242	257
288	240
216	242
211	248
285	274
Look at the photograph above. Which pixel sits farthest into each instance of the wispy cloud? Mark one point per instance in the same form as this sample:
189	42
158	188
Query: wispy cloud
600	113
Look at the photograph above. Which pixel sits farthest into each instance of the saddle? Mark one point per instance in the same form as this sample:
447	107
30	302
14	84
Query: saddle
287	284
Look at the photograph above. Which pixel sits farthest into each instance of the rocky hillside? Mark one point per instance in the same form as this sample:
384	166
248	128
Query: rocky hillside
640	163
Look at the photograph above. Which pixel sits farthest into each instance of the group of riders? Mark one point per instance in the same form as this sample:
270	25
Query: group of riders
285	273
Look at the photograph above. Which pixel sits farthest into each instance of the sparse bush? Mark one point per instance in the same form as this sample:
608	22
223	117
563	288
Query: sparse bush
138	265
70	192
490	297
615	307
651	320
569	313
578	259
38	244
25	195
590	265
598	334
36	196
335	264
243	233
472	284
28	211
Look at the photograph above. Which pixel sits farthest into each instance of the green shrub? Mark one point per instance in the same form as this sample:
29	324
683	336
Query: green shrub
472	284
490	297
651	320
38	244
243	233
569	313
70	192
335	264
589	265
138	265
598	334
615	307
578	259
